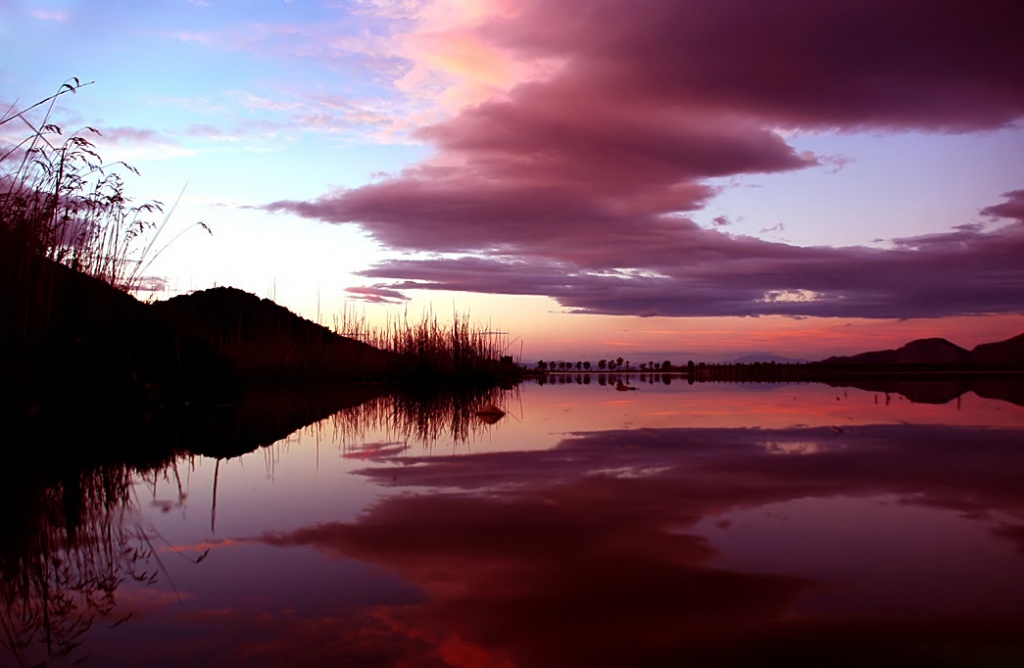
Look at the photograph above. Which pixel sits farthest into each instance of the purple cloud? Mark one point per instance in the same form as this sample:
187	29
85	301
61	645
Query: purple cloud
577	186
1013	207
706	273
914	64
376	295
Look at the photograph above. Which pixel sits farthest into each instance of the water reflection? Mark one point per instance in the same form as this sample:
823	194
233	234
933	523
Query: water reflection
423	418
606	551
75	536
671	525
940	389
66	549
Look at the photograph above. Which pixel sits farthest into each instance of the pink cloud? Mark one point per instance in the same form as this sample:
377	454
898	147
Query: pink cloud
916	64
50	15
437	209
376	295
544	132
575	184
131	135
194	36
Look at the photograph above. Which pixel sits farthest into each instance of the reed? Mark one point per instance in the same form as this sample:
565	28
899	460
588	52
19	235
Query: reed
60	202
68	233
432	352
61	209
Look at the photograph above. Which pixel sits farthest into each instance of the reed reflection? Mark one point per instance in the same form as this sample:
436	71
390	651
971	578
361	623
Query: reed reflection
425	418
66	548
75	533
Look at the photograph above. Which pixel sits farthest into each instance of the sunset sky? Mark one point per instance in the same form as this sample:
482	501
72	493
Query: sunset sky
651	179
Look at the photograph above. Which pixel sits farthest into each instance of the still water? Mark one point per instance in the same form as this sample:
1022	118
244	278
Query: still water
709	524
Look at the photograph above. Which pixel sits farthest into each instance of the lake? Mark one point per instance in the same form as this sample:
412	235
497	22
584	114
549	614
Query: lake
705	524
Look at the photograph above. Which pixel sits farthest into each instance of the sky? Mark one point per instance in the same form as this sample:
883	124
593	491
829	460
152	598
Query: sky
646	179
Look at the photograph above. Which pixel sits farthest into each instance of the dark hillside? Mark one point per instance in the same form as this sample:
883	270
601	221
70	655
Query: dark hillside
265	341
920	351
73	341
1008	352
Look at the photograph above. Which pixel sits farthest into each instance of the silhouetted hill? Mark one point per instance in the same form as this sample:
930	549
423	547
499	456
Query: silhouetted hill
73	348
71	342
940	352
266	341
767	357
1010	351
920	351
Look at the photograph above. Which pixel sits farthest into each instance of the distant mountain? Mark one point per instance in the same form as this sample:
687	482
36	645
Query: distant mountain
920	351
1010	351
767	357
941	351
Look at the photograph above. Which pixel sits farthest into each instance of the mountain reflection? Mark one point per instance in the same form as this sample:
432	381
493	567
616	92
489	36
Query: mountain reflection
937	390
590	553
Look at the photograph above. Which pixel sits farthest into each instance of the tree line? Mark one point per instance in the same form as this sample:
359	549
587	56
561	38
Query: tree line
617	364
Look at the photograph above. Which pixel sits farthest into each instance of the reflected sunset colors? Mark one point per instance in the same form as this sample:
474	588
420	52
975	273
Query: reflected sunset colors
673	525
755	405
670	185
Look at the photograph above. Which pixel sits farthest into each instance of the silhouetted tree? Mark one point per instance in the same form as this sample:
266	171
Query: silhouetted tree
586	365
602	364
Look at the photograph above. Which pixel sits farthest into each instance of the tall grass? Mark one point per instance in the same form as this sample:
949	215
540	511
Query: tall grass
60	202
434	352
64	213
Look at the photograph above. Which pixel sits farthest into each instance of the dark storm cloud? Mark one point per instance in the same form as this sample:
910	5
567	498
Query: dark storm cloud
568	181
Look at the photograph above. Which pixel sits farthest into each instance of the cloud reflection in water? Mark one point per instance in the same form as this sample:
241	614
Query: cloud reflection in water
592	553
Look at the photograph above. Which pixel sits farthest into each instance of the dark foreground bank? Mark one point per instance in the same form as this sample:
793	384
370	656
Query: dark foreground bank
74	348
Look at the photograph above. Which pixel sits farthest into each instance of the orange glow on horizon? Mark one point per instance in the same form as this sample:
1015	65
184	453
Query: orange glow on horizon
545	331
